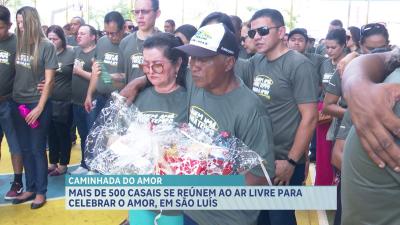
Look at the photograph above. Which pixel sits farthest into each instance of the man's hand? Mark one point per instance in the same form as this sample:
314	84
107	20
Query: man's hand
372	114
283	172
96	68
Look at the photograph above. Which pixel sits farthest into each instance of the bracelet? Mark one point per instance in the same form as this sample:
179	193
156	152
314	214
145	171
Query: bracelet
292	162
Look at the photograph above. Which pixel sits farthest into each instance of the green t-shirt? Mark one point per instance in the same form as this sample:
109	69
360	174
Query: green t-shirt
62	87
26	79
130	56
326	72
281	84
71	40
334	87
317	61
370	195
79	84
242	53
345	126
244	116
107	52
163	108
7	64
321	50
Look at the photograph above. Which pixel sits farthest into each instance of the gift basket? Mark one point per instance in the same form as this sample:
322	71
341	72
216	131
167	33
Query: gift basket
124	141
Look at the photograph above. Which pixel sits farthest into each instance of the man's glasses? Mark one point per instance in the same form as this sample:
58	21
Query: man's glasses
262	31
157	67
141	11
371	26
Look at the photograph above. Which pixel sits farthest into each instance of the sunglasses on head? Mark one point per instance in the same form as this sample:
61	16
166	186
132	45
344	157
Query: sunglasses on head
262	31
371	26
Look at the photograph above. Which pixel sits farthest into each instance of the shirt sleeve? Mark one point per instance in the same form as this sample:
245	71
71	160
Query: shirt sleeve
335	85
50	57
244	69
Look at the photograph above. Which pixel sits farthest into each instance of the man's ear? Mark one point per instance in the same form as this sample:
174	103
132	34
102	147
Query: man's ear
229	63
282	32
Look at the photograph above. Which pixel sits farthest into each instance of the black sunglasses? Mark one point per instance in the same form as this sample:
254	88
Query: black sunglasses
262	31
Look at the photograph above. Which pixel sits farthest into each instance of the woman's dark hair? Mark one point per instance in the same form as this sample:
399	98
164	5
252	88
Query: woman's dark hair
355	35
167	42
373	29
187	30
59	32
219	17
338	35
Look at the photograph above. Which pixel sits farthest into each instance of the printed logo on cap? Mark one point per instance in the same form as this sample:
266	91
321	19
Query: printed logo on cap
209	37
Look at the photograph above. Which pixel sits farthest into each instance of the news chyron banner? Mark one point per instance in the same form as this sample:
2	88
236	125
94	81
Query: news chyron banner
97	192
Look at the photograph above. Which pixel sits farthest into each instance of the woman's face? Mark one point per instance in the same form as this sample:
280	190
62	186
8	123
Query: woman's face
20	22
372	42
159	69
53	37
350	42
334	49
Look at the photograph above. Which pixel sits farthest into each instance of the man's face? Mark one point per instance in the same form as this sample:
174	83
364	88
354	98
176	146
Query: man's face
145	15
84	38
113	33
4	27
168	28
128	26
75	24
297	42
207	72
267	43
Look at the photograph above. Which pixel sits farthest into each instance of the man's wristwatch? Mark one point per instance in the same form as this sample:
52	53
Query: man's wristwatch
292	162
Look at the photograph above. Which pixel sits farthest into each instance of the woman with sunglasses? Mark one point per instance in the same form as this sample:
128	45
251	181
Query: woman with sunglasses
374	36
335	47
165	68
36	60
353	39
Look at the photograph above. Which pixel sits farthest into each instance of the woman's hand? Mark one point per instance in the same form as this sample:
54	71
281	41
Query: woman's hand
33	115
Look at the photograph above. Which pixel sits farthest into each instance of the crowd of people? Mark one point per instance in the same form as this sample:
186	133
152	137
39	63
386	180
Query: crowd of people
288	100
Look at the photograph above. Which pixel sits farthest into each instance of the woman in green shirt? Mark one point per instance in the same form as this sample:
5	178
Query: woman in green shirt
36	60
